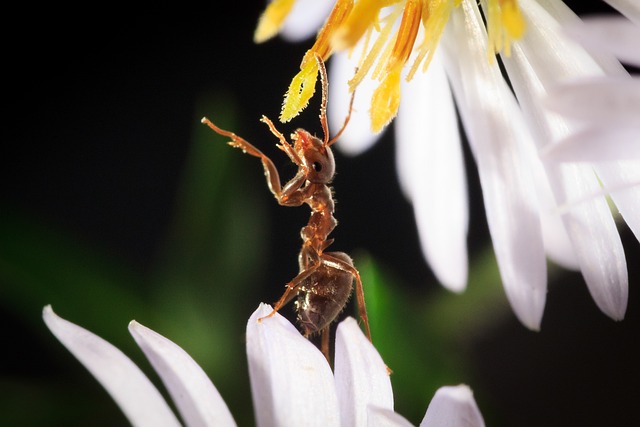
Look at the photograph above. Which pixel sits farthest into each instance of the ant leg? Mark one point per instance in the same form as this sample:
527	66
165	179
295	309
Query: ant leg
270	171
291	286
284	144
324	346
339	264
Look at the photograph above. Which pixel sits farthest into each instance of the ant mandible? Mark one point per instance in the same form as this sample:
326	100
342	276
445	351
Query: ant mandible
325	281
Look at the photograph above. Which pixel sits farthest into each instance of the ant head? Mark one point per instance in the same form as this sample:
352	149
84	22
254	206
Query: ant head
316	155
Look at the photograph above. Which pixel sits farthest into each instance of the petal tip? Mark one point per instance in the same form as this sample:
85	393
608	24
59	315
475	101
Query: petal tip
47	310
134	326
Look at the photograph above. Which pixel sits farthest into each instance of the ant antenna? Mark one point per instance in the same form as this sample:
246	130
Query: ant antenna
323	106
346	121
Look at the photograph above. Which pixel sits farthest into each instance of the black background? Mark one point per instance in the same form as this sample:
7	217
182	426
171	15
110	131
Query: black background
99	109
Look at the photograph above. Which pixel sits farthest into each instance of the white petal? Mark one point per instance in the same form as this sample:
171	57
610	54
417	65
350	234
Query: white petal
590	226
453	406
501	145
305	19
138	398
629	8
609	101
361	376
594	144
551	18
358	136
381	417
622	179
595	238
290	378
432	173
557	243
196	397
613	34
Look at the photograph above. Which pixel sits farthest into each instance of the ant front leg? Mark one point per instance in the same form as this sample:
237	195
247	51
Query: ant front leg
270	171
290	194
284	145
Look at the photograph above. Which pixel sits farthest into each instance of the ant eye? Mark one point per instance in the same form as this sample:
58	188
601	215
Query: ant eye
321	166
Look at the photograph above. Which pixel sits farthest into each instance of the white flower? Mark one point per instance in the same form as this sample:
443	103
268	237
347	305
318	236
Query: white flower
291	381
529	204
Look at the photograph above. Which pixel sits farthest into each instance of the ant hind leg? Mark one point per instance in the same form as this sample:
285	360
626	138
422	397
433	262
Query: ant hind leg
289	293
340	264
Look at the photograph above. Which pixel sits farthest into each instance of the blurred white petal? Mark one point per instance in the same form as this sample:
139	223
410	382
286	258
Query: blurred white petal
623	178
629	8
613	34
195	396
609	101
431	172
595	239
136	396
358	136
591	227
499	140
557	243
453	406
305	19
595	144
290	378
361	376
381	417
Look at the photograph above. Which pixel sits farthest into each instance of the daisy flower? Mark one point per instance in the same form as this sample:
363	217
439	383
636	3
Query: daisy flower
291	381
423	60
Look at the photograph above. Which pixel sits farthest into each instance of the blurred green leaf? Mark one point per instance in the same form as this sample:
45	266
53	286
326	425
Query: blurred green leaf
40	266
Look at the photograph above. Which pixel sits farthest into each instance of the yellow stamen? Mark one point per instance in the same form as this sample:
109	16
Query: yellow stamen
374	53
505	24
386	99
435	16
364	15
407	34
272	19
323	46
302	86
300	91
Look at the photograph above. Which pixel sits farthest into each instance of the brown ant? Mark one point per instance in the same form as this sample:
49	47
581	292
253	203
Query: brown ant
325	281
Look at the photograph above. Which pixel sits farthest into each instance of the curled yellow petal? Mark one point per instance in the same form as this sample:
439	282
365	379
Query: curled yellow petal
386	99
300	91
272	19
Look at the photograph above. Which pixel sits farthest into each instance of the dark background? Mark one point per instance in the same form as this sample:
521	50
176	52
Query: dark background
99	115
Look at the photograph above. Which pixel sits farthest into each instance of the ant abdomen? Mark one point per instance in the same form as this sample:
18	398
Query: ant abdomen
323	295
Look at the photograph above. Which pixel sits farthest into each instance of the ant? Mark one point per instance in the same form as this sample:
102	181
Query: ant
325	281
